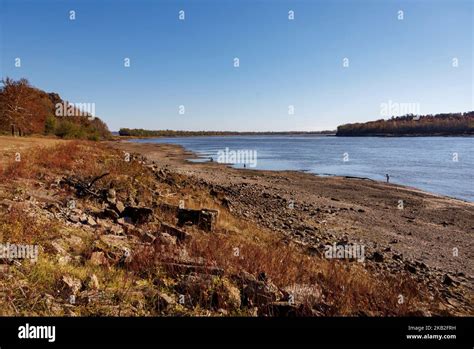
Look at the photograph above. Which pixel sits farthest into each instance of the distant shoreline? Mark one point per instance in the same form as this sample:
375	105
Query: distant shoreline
297	134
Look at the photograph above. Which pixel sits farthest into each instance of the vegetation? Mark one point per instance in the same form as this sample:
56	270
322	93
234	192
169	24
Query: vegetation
138	288
27	110
170	133
411	125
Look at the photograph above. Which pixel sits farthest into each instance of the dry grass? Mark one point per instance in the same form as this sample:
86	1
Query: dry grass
236	245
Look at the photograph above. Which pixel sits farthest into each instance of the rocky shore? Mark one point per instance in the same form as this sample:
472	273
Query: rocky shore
135	229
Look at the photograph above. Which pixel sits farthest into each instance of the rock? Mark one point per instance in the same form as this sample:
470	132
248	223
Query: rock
137	215
397	256
116	230
64	260
93	282
361	210
179	234
205	219
116	247
164	301
74	218
75	243
70	285
119	207
165	239
449	280
255	292
57	246
98	258
378	257
411	268
108	213
91	221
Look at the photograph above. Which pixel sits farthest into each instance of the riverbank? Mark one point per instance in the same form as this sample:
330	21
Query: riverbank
130	244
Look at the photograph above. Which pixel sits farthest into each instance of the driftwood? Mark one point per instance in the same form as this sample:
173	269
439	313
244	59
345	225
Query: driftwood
84	188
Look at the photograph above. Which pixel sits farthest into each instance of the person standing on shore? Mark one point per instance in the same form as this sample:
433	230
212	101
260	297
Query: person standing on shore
388	177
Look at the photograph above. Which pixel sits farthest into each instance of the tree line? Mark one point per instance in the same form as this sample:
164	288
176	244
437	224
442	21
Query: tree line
413	125
27	110
171	133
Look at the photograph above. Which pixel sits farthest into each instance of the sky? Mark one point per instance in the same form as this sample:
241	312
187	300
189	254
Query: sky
336	62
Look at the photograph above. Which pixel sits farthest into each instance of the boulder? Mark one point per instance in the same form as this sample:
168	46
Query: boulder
205	219
137	215
98	258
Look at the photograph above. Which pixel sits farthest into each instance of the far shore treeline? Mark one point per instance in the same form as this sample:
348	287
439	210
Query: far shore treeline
126	132
450	124
27	110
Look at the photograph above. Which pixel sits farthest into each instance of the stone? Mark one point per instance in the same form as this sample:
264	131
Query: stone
378	257
449	280
165	239
109	213
205	219
119	207
137	215
90	221
93	282
411	268
111	193
255	292
179	234
164	301
98	258
70	285
74	218
116	247
64	260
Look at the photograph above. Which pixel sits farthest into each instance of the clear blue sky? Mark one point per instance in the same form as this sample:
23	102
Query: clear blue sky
282	62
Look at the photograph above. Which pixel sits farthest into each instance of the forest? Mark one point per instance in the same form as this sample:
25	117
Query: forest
448	124
171	133
27	110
